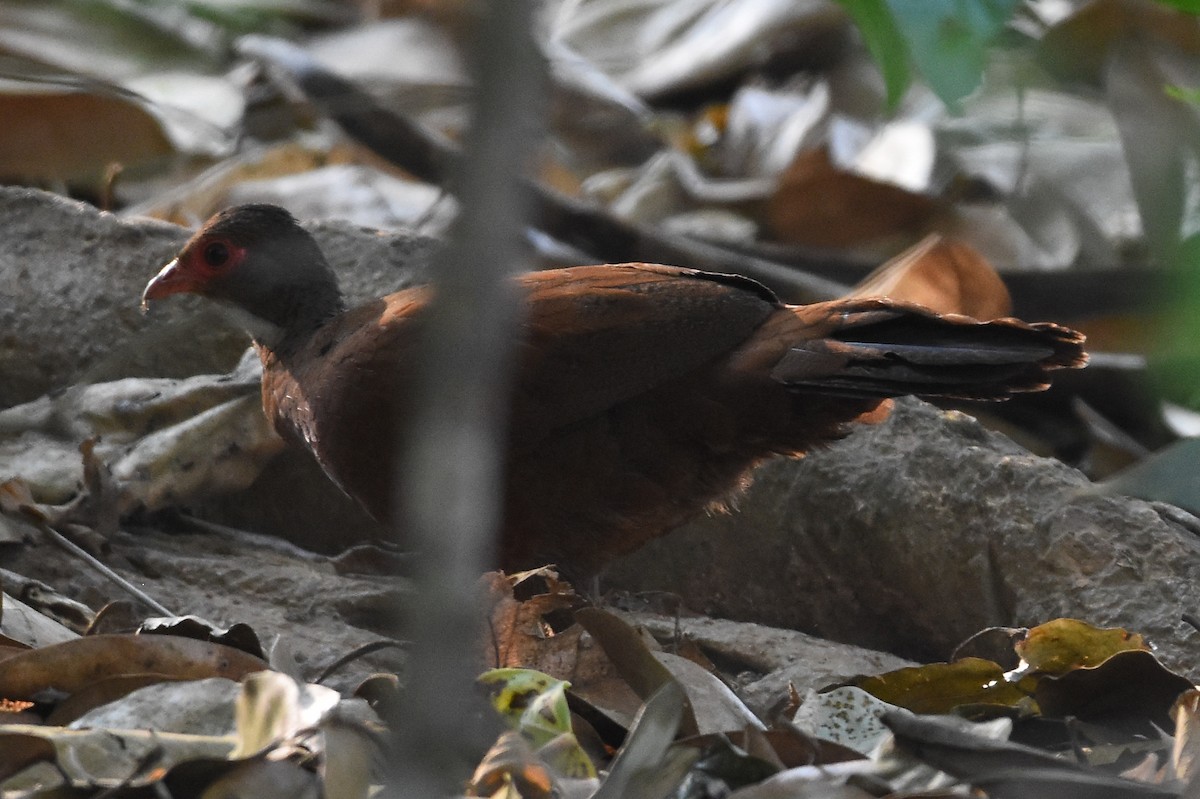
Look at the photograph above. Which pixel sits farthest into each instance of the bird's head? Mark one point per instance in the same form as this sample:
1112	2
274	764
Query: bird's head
258	261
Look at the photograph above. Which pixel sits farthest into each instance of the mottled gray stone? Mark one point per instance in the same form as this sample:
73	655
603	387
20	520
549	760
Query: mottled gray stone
911	535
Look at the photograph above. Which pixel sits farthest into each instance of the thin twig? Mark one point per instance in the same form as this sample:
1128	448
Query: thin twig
355	654
79	552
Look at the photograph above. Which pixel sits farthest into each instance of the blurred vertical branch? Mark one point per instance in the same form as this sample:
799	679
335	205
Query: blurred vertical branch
451	478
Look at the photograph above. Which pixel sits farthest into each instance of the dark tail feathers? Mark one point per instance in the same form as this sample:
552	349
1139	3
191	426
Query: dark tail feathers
880	348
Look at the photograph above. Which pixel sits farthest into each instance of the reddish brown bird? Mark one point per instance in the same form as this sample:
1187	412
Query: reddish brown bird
644	394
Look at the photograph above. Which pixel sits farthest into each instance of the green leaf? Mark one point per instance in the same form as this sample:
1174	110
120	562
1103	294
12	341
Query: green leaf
942	687
535	704
1184	95
1176	361
1190	6
948	40
1062	645
1168	475
530	701
887	45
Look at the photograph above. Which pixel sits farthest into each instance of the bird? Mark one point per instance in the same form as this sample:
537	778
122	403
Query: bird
643	394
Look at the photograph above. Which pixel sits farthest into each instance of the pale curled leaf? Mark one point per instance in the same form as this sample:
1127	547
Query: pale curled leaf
72	665
273	706
1185	756
164	441
660	47
647	765
848	716
716	707
28	626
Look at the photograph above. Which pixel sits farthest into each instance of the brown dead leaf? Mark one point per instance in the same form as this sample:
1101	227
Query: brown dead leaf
18	752
1078	47
511	764
1130	689
98	693
521	637
819	205
73	665
53	135
943	274
634	661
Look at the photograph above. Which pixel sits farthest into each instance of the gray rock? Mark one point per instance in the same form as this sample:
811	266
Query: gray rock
195	707
911	535
71	277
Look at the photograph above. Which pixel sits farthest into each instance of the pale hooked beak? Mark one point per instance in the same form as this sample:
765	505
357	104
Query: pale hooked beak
171	279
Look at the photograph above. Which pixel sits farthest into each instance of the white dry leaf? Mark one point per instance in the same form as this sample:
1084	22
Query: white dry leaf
164	441
655	47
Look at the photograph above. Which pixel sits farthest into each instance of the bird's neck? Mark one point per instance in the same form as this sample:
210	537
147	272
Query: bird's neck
292	317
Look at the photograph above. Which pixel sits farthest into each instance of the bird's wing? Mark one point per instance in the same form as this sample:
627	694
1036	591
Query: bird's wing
596	336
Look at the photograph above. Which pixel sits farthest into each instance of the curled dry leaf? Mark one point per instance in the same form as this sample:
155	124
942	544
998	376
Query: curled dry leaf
58	135
1185	755
943	687
1064	645
163	441
944	274
73	665
239	636
511	766
634	661
1079	46
820	205
528	634
1131	690
273	707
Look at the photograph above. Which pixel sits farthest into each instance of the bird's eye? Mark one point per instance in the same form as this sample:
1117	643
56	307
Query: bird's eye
216	254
